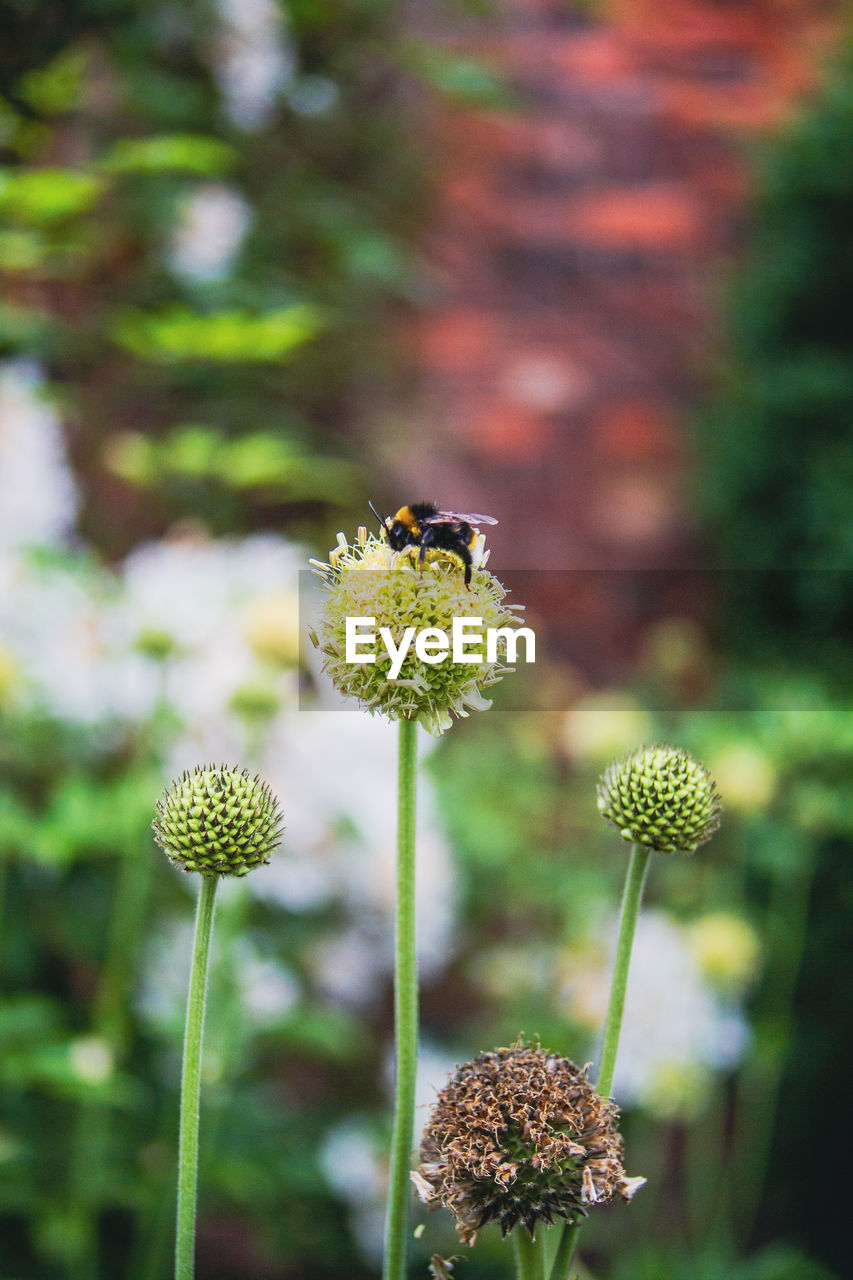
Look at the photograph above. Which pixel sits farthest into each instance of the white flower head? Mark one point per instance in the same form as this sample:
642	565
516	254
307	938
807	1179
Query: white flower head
401	594
38	500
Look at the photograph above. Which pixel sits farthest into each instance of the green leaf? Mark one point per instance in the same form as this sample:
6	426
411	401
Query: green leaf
261	458
182	152
45	196
177	334
191	452
58	86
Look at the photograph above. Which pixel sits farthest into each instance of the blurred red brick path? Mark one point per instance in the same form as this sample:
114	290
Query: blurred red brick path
576	260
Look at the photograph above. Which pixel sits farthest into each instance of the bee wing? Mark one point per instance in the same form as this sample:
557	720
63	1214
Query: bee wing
441	516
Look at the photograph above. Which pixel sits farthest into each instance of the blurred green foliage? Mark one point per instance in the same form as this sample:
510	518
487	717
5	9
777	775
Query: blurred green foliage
229	385
777	443
776	446
47	196
776	864
185	152
87	1085
260	460
126	150
179	334
235	392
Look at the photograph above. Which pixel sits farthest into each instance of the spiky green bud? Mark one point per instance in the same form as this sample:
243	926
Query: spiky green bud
218	821
662	798
520	1136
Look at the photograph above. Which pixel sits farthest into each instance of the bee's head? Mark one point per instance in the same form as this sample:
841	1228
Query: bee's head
403	529
399	536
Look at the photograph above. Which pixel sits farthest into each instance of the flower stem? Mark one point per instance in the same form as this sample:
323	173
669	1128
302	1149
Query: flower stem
529	1255
191	1083
565	1250
631	899
405	1011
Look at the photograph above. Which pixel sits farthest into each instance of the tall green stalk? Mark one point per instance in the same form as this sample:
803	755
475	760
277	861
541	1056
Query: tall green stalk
191	1082
565	1250
405	1011
631	900
215	821
529	1254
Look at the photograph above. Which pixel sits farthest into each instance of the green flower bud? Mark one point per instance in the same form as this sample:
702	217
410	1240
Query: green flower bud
370	580
660	797
255	703
156	644
520	1136
218	821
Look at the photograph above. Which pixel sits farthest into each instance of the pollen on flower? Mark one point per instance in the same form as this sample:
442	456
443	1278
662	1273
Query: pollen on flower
520	1137
369	579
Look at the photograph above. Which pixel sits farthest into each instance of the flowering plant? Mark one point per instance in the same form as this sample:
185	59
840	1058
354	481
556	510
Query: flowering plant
369	579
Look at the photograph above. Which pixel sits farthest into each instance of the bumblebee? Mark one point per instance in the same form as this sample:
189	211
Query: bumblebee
425	526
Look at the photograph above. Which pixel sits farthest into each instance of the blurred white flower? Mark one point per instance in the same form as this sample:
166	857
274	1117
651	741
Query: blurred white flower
52	618
213	222
354	1168
80	635
92	1059
196	591
335	773
38	501
351	966
162	994
253	59
268	990
435	1067
194	622
677	1029
188	586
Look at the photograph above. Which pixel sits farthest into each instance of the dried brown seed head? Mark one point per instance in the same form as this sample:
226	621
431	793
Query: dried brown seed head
519	1135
